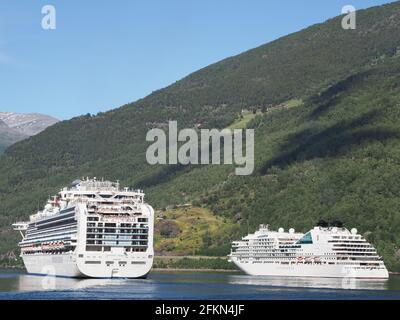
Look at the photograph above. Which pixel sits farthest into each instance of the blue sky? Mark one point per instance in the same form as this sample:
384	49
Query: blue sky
104	54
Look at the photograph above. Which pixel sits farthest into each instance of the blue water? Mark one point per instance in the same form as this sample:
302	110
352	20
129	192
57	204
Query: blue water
194	285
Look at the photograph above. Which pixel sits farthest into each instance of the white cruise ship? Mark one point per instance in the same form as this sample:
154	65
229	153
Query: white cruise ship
92	229
325	251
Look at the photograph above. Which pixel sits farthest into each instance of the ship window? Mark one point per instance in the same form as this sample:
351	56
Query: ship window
93	248
307	239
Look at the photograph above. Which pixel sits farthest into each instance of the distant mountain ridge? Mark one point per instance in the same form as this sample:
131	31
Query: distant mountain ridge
8	136
15	127
29	124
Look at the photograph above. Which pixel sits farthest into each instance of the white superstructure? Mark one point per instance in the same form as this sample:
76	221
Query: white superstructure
325	251
91	229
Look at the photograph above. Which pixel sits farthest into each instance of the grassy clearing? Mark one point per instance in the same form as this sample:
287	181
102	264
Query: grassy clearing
293	103
244	120
189	231
247	116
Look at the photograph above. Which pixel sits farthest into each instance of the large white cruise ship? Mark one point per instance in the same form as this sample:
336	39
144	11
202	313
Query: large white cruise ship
325	251
92	229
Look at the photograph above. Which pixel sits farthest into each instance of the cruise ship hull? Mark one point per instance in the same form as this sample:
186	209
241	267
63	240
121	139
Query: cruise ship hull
55	265
310	270
67	265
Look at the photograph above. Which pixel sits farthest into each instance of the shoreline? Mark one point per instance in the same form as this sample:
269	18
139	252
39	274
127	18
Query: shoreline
12	267
153	269
195	270
175	270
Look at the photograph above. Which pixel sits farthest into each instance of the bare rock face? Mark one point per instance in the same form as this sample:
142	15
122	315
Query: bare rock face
15	127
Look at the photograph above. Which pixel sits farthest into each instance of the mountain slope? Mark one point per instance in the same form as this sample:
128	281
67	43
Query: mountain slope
335	155
291	67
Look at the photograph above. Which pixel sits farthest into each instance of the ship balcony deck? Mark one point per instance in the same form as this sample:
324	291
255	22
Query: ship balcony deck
116	245
119	232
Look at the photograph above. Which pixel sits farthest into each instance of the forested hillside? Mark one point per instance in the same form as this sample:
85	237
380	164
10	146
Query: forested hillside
335	155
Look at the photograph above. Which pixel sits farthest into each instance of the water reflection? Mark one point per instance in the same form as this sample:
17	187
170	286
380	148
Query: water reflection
317	283
194	285
38	283
47	283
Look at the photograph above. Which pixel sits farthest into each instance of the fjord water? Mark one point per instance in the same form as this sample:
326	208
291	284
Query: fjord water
194	285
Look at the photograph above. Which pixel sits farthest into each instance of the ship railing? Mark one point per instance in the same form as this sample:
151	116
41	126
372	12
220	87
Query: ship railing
110	211
117	202
20	226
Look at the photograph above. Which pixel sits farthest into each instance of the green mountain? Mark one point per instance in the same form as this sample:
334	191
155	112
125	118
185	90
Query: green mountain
327	141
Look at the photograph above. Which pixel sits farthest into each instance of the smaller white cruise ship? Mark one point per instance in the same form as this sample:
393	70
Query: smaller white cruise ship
329	251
